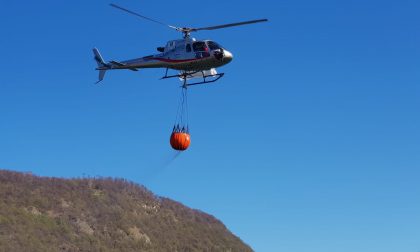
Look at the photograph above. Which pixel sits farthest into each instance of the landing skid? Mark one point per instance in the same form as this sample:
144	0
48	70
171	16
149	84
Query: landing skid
185	75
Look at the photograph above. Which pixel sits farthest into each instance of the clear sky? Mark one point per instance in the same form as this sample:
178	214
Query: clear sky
310	143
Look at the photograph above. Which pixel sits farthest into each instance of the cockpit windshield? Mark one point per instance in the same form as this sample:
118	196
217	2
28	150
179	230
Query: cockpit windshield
199	46
213	45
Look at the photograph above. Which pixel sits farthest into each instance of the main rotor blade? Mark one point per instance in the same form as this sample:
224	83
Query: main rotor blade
229	25
138	15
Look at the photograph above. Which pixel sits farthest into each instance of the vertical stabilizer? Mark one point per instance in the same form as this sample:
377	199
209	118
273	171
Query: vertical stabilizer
98	58
101	64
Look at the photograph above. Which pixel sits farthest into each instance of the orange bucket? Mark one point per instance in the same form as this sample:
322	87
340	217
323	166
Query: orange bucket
180	141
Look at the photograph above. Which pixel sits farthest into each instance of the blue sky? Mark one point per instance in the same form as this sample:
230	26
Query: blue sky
310	142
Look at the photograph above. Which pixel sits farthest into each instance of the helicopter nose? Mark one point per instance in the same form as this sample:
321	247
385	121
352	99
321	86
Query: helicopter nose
228	56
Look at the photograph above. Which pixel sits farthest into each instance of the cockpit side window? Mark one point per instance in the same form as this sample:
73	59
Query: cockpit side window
213	45
199	46
188	48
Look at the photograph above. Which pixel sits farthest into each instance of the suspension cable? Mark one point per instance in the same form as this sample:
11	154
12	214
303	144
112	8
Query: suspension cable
186	110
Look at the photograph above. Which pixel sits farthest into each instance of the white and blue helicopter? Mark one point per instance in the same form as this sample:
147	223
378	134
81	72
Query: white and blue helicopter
192	58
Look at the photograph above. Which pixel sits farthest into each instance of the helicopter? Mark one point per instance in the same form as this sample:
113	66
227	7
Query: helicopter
191	57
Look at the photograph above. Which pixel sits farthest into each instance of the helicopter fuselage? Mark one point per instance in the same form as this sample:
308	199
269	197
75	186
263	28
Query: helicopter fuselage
185	55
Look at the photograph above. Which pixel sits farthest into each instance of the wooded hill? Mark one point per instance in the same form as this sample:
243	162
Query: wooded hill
101	214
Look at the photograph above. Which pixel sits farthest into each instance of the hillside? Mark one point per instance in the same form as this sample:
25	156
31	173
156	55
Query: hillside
101	214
